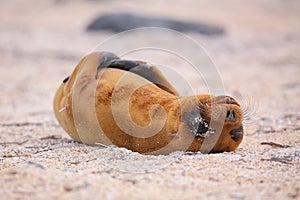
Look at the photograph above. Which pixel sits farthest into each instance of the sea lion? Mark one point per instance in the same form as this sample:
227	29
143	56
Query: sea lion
107	100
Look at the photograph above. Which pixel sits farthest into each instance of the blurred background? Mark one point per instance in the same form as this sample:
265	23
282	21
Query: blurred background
257	51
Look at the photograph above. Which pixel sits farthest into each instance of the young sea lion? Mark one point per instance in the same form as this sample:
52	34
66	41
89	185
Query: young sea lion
131	104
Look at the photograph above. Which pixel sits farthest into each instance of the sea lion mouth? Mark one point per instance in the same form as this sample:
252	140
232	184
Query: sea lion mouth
237	134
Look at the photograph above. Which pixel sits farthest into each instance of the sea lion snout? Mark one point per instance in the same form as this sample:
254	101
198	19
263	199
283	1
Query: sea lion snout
237	134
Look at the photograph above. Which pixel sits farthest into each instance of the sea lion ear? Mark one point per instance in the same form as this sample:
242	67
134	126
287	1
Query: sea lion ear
145	70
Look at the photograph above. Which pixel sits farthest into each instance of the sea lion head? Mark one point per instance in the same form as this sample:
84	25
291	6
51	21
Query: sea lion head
215	123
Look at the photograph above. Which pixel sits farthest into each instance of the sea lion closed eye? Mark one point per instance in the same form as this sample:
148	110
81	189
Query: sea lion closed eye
131	104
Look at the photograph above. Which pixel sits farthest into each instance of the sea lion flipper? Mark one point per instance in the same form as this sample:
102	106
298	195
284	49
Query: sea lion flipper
147	71
110	60
162	82
95	61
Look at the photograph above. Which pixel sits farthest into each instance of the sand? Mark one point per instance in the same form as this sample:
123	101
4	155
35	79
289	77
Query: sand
257	58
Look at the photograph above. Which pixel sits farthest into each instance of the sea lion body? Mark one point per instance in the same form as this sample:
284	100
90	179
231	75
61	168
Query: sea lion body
137	108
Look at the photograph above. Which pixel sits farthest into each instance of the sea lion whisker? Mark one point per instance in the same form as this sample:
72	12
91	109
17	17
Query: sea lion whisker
248	108
62	109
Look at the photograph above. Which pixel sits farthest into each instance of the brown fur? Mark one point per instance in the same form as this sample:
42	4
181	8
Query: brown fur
96	106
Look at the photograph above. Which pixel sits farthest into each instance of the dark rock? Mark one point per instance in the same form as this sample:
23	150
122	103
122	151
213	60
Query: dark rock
37	165
125	21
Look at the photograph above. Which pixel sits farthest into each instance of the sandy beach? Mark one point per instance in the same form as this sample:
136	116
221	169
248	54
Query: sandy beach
257	59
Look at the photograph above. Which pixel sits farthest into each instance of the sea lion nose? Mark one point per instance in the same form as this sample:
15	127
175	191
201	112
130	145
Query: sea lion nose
237	134
230	115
